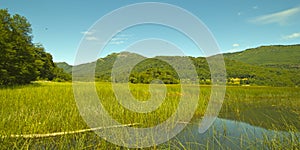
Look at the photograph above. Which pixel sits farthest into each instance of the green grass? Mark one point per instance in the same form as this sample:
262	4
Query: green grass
47	107
276	108
39	108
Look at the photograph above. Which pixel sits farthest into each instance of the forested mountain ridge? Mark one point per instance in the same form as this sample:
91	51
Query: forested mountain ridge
278	56
266	68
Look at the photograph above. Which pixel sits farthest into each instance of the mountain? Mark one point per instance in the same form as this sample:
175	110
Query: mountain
266	65
67	68
278	56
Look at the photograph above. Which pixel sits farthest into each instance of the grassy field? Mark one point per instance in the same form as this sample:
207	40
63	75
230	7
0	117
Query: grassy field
276	108
47	107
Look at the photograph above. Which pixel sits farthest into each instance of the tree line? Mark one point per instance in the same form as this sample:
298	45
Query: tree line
21	60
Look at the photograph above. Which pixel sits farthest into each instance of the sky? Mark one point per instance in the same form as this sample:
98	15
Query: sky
62	26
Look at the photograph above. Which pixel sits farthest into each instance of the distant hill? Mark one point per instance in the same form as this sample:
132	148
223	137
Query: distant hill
266	65
67	68
282	56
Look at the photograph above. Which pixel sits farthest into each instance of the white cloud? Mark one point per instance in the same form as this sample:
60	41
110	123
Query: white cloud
292	36
91	38
235	45
235	48
255	7
119	39
279	17
88	32
89	35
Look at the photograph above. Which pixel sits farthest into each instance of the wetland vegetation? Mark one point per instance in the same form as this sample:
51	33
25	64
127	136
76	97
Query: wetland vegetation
48	107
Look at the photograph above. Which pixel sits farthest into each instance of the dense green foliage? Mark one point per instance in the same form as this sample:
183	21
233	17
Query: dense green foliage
278	56
267	65
153	70
275	65
21	61
63	65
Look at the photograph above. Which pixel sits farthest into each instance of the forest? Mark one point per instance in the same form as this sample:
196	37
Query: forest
21	60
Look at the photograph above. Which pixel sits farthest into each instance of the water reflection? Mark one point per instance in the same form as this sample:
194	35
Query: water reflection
230	134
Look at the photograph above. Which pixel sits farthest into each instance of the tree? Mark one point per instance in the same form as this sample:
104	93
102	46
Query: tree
44	64
21	61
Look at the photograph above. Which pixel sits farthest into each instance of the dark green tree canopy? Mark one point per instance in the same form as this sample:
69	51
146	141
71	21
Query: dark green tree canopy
21	61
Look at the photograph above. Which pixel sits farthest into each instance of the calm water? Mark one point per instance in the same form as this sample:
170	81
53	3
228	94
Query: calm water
229	134
223	134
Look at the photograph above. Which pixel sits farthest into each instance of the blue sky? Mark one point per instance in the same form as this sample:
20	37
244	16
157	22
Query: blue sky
236	24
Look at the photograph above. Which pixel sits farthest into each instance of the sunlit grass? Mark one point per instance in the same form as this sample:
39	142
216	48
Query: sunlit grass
269	107
51	107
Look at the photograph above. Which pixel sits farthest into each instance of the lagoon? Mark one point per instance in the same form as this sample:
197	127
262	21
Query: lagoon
230	134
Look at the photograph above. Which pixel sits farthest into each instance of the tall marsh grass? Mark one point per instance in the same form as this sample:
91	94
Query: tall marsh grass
50	107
